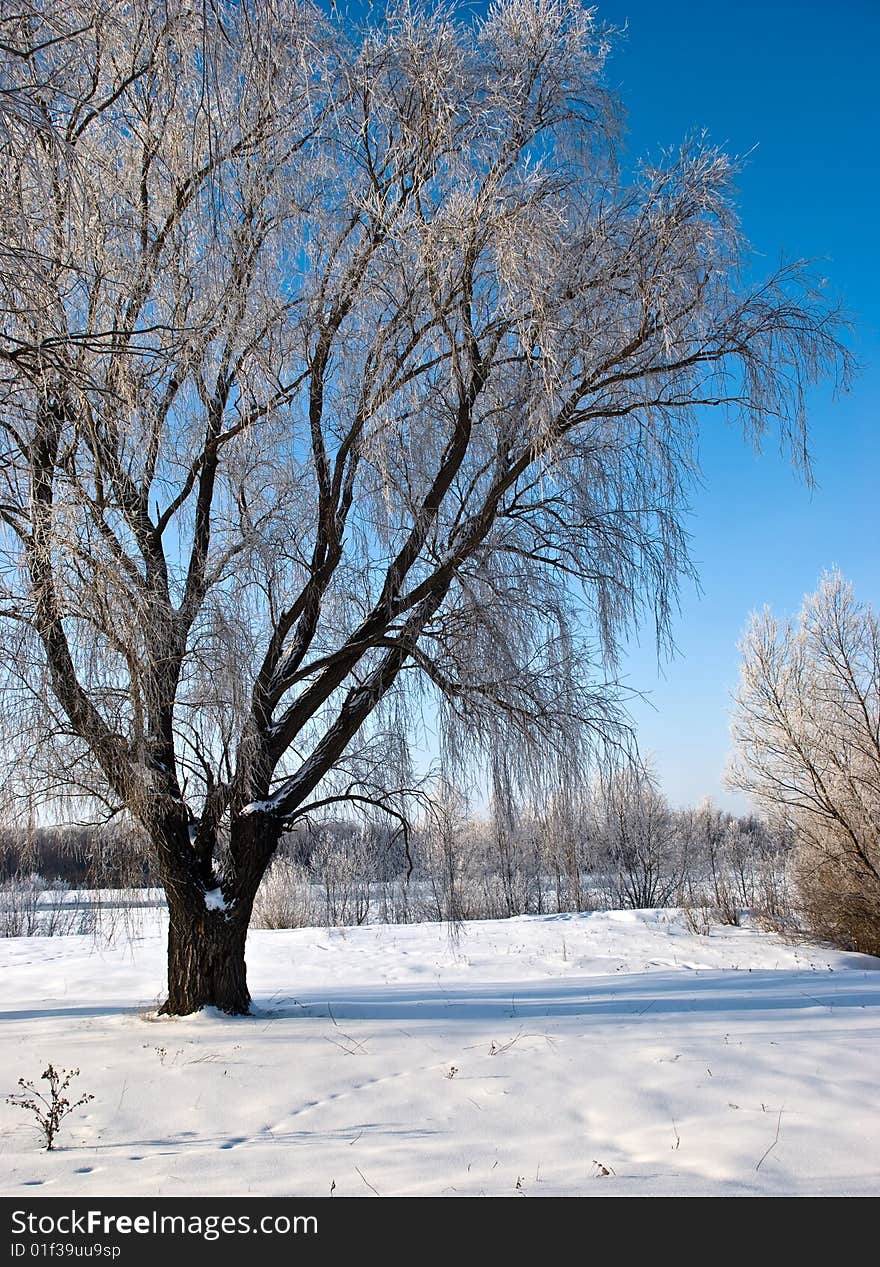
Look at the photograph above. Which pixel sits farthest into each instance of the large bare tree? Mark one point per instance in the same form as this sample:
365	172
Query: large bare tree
807	734
343	380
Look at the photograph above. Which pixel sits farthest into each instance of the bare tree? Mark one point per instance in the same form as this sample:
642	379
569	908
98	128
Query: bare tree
343	376
807	730
640	839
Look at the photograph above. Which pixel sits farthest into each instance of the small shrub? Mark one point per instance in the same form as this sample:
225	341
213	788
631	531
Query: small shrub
50	1109
286	898
774	906
33	907
698	918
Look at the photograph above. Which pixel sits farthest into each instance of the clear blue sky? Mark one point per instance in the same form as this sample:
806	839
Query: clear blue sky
797	80
792	83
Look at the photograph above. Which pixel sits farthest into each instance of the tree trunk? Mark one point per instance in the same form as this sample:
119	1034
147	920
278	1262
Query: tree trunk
206	966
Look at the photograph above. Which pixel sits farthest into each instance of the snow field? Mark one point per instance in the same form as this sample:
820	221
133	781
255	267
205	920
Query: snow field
529	1056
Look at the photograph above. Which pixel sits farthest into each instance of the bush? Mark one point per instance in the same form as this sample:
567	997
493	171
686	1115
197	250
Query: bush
51	1107
839	899
286	898
33	907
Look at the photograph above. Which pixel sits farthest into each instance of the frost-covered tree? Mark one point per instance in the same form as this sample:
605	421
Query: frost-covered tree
342	376
640	841
807	732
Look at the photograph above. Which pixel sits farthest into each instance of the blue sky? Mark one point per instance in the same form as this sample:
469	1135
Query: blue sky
793	85
798	82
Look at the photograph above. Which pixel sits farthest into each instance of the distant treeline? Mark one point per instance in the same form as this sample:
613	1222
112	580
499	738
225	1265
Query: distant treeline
621	846
118	855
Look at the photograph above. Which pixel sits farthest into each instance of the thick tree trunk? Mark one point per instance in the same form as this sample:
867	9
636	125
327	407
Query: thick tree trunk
206	965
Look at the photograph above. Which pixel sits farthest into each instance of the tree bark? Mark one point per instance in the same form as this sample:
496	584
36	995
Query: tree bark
206	964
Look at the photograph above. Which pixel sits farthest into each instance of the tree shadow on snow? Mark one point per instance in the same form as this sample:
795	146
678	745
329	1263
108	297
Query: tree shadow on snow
696	993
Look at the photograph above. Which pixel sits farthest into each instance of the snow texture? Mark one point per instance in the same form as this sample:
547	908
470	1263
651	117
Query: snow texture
544	1051
258	807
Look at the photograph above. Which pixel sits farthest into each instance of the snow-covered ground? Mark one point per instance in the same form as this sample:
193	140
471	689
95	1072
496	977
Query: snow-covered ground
531	1055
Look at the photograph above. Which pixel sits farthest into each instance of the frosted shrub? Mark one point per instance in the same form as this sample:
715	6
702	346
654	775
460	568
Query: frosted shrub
33	907
286	898
806	730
